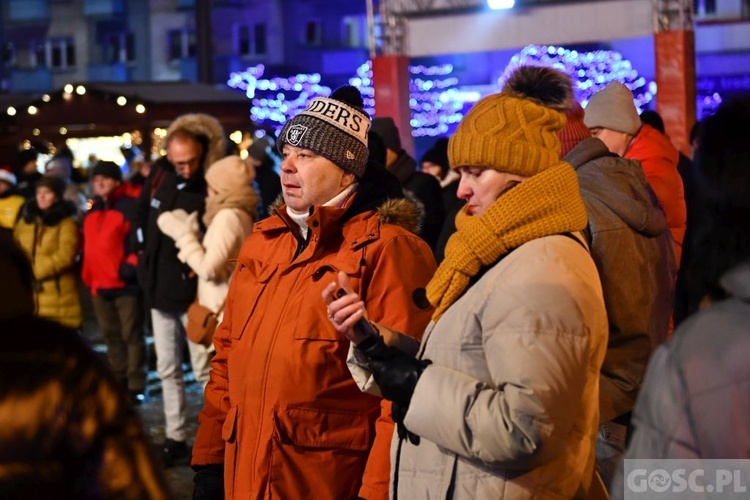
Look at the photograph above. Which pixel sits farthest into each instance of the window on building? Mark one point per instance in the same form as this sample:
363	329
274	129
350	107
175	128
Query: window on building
354	31
313	32
704	7
119	48
244	44
56	53
9	54
251	40
182	43
261	44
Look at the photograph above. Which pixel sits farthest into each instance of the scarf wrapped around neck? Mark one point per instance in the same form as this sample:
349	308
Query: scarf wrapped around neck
545	204
243	197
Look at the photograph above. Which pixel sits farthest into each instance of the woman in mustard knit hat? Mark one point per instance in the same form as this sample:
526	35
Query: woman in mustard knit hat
501	399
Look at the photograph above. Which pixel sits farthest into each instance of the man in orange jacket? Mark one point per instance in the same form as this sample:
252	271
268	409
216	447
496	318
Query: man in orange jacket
283	417
611	116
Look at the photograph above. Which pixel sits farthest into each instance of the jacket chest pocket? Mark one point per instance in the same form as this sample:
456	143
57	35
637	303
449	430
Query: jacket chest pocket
252	278
309	307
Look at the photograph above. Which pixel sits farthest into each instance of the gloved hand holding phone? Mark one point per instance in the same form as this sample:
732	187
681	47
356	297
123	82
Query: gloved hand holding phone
395	372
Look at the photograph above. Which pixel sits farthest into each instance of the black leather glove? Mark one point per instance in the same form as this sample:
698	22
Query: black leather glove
209	482
397	375
128	273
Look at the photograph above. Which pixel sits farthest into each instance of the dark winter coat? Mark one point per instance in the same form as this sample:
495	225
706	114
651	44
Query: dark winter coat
425	189
167	283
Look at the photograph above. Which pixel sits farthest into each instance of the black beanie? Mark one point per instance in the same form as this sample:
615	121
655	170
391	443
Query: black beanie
55	184
107	169
438	154
334	127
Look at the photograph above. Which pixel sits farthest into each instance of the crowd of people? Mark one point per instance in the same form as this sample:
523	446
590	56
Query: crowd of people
546	292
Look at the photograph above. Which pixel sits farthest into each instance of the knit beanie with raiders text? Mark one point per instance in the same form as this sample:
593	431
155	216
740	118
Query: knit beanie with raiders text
334	127
516	130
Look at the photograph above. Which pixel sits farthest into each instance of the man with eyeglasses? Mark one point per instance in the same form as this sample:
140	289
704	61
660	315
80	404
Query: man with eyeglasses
176	181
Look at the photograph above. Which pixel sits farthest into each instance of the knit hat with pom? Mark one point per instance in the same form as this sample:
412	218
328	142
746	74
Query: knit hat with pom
228	174
334	127
516	130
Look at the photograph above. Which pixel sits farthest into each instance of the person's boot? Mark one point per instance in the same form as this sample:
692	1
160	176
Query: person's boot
175	453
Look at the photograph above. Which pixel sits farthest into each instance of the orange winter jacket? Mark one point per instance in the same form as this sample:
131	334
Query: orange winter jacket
659	160
282	412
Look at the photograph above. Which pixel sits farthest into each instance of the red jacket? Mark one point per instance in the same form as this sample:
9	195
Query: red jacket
108	262
659	160
282	412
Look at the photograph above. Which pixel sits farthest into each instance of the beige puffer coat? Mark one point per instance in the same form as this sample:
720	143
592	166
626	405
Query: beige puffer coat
509	407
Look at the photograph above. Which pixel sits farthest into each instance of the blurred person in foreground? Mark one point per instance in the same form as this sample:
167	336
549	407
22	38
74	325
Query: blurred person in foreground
283	417
502	399
49	234
632	249
694	400
66	428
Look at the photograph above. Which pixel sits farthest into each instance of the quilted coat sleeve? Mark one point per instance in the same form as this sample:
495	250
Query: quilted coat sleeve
405	264
57	256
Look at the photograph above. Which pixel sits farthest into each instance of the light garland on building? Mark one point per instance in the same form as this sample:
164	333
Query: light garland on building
272	103
437	100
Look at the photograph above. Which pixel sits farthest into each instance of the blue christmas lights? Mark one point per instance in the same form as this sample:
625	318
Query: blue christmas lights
437	100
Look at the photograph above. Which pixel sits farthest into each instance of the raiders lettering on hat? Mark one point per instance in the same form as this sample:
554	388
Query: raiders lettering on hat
340	115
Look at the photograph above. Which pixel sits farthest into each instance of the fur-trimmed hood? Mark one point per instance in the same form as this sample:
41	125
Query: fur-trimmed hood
207	129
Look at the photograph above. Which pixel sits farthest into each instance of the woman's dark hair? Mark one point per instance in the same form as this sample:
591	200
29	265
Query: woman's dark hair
721	225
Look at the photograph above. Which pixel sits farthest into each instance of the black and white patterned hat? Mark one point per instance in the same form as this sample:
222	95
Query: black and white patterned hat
334	127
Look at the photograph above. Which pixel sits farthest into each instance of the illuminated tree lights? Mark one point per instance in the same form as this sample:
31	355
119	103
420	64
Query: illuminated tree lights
437	100
277	99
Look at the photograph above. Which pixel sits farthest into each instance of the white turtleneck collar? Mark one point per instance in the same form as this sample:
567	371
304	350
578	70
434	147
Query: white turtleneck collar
300	218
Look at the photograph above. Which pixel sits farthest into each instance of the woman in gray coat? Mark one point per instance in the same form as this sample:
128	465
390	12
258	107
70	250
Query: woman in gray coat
501	400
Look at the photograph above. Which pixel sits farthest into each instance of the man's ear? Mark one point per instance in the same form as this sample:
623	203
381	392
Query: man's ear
348	179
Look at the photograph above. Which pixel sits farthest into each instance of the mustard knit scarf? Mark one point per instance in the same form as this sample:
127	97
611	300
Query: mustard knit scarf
545	204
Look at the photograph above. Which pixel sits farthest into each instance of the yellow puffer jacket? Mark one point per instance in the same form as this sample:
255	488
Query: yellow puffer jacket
52	242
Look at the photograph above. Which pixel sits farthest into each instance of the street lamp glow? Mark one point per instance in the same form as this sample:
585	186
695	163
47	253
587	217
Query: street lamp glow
32	110
122	100
11	111
68	89
140	108
501	4
80	90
